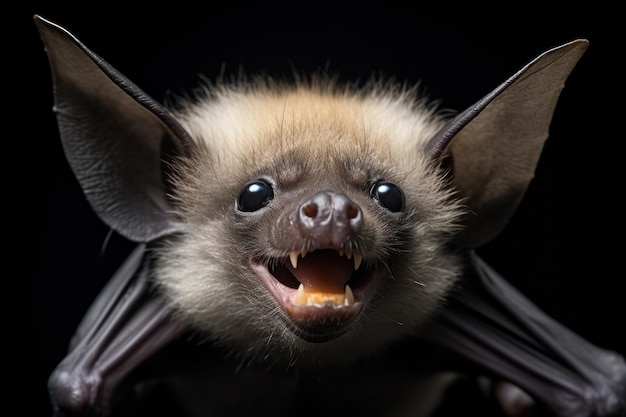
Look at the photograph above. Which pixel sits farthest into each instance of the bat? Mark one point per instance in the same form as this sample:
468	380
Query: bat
311	247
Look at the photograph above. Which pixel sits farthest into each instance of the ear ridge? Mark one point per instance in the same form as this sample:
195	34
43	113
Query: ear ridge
496	143
114	136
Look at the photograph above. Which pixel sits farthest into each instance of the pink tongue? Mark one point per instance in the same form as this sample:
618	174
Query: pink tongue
323	271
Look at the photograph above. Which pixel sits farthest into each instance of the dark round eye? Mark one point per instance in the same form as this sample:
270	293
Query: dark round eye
388	195
255	195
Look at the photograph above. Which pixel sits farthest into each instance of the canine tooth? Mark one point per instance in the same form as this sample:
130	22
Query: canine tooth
293	257
340	252
349	254
348	297
357	260
300	298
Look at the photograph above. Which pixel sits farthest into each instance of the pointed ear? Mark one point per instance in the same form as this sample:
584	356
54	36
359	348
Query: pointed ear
494	145
115	137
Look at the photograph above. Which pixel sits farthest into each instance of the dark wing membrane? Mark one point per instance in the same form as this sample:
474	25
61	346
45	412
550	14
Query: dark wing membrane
126	325
489	323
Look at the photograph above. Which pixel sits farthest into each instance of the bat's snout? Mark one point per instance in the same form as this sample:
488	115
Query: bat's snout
329	219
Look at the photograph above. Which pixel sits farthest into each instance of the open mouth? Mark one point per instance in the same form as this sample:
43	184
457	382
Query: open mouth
321	291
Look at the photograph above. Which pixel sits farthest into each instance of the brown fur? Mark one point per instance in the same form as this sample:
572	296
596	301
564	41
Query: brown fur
306	138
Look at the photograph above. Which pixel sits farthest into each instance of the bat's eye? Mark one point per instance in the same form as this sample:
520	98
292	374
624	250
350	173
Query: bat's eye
388	195
255	195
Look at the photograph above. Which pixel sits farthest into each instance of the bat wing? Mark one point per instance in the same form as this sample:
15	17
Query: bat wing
125	326
492	325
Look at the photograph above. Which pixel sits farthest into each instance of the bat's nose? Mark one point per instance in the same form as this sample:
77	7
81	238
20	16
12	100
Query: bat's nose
330	219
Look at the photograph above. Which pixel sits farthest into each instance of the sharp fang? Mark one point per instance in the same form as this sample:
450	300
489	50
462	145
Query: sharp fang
300	298
293	257
349	254
357	260
348	296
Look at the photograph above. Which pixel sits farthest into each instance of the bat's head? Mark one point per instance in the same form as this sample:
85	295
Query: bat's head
310	219
313	217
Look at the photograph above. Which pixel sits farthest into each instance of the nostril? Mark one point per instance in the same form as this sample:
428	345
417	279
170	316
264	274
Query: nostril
352	211
310	210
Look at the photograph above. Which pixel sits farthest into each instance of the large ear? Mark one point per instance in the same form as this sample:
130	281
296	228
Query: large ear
115	137
495	144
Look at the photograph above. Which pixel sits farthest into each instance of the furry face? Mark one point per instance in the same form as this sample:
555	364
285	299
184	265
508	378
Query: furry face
314	220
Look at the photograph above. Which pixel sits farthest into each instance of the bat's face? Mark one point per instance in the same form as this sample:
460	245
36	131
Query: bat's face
313	221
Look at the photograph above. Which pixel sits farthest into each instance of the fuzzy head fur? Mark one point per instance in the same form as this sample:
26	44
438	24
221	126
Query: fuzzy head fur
312	137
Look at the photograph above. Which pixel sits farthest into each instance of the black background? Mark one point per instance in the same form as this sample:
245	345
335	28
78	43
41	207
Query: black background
563	248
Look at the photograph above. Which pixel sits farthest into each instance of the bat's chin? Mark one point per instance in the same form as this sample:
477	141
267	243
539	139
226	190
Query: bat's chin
321	292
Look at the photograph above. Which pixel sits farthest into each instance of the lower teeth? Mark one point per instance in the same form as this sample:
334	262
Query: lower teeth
314	298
